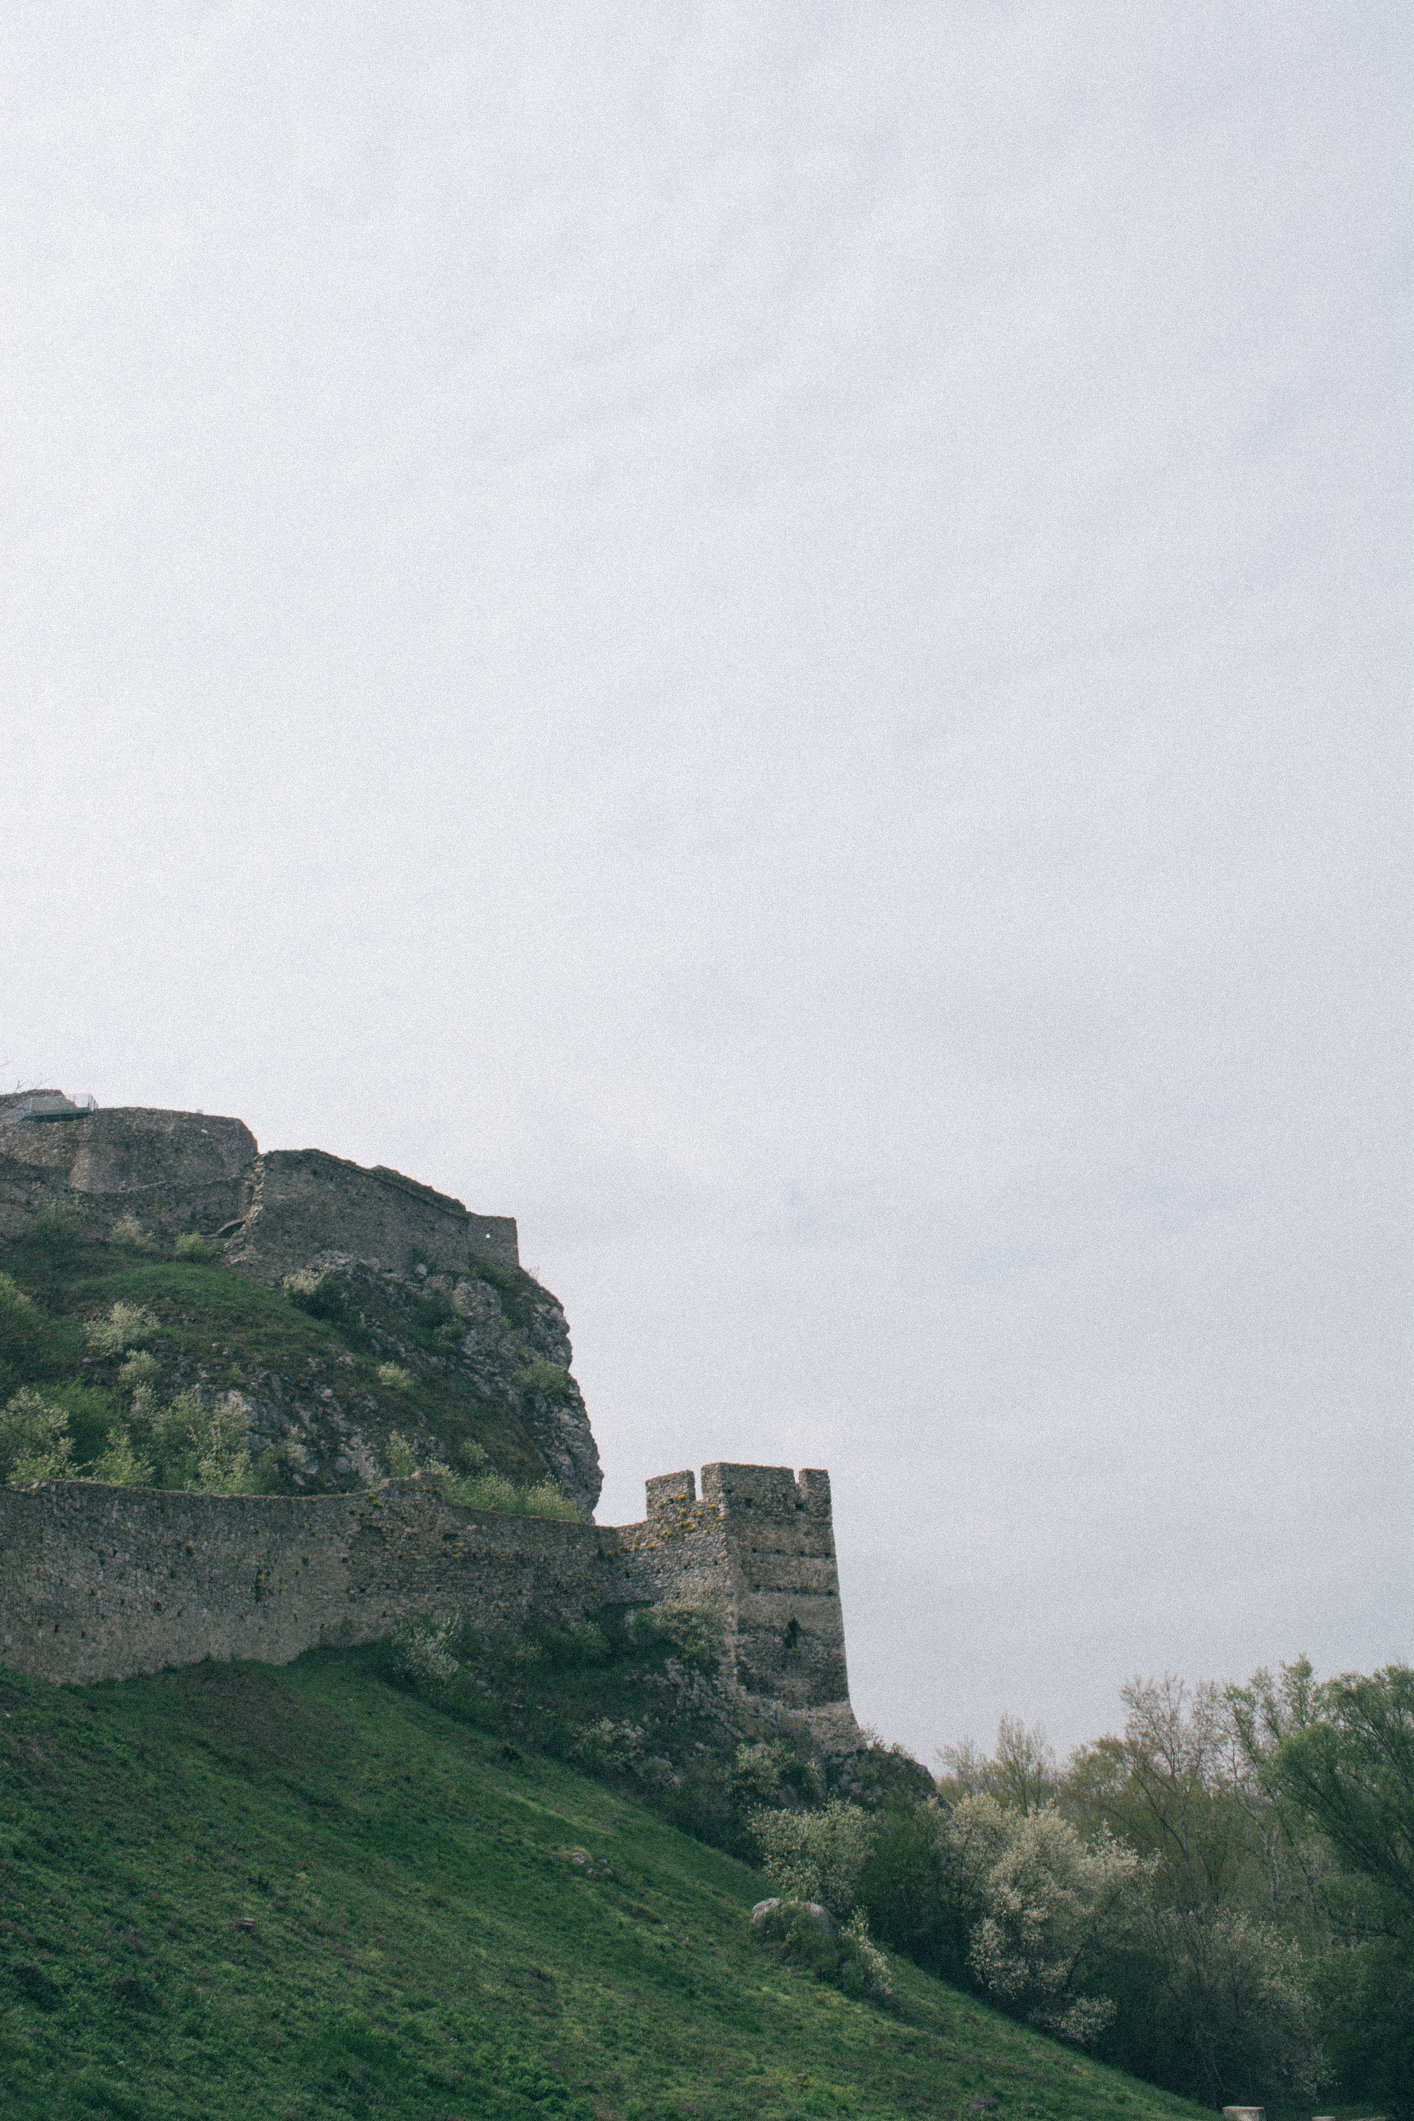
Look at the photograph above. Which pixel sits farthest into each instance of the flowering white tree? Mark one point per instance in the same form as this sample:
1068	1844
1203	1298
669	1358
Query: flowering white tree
1050	1909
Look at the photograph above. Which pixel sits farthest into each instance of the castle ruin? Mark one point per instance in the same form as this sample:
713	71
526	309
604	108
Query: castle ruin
101	1582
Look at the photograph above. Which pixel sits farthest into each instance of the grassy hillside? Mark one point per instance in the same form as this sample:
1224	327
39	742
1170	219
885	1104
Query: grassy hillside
303	1894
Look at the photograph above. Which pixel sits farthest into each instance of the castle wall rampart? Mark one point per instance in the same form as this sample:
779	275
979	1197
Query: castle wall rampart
101	1582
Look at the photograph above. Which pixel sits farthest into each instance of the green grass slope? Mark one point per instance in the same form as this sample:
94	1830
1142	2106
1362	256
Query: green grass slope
302	1893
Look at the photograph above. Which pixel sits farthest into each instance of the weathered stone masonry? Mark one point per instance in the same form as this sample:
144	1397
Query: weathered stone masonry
197	1171
102	1583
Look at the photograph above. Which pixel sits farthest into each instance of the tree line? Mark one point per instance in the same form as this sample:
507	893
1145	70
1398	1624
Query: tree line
1219	1900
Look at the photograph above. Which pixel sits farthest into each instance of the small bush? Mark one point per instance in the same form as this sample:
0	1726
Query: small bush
139	1369
422	1651
549	1379
847	1958
22	1336
493	1491
694	1629
318	1295
129	1233
548	1499
398	1455
771	1772
126	1326
192	1448
34	1439
816	1855
394	1378
119	1464
480	1491
192	1247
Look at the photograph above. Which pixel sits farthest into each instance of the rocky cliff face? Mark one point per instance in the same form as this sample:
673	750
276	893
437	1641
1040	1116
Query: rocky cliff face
407	1279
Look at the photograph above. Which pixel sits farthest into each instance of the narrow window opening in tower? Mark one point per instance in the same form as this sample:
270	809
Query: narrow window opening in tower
792	1635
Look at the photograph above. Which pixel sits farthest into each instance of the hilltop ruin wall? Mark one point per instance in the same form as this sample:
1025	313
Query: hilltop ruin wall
182	1172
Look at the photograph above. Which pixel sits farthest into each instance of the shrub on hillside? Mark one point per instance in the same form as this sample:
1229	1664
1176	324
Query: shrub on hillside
394	1378
139	1369
423	1652
1050	1910
128	1233
816	1855
317	1295
549	1379
22	1334
34	1439
191	1446
60	1225
126	1326
846	1957
119	1464
770	1773
493	1491
190	1247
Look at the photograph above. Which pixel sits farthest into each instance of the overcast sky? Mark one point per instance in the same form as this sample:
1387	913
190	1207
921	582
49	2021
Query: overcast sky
774	638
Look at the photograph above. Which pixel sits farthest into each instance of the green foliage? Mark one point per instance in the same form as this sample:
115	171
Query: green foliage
1022	1773
1351	1770
693	1627
34	1439
126	1326
816	1855
141	1368
912	1891
493	1491
770	1771
1234	1999
398	1455
24	1338
394	1378
549	1379
195	1249
1050	1910
847	1958
188	1445
232	1329
60	1227
129	1234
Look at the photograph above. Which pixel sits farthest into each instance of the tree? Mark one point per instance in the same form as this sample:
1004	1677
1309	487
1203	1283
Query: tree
1350	1767
1022	1773
1168	1787
1050	1911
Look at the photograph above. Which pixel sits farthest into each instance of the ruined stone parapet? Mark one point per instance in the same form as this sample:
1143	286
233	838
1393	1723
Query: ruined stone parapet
103	1583
180	1172
177	1171
308	1208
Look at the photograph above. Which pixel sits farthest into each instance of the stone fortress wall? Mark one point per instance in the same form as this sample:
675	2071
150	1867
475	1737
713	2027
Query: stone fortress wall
102	1583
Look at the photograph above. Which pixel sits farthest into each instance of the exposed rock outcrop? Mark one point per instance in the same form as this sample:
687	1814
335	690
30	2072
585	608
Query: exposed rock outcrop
392	1242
